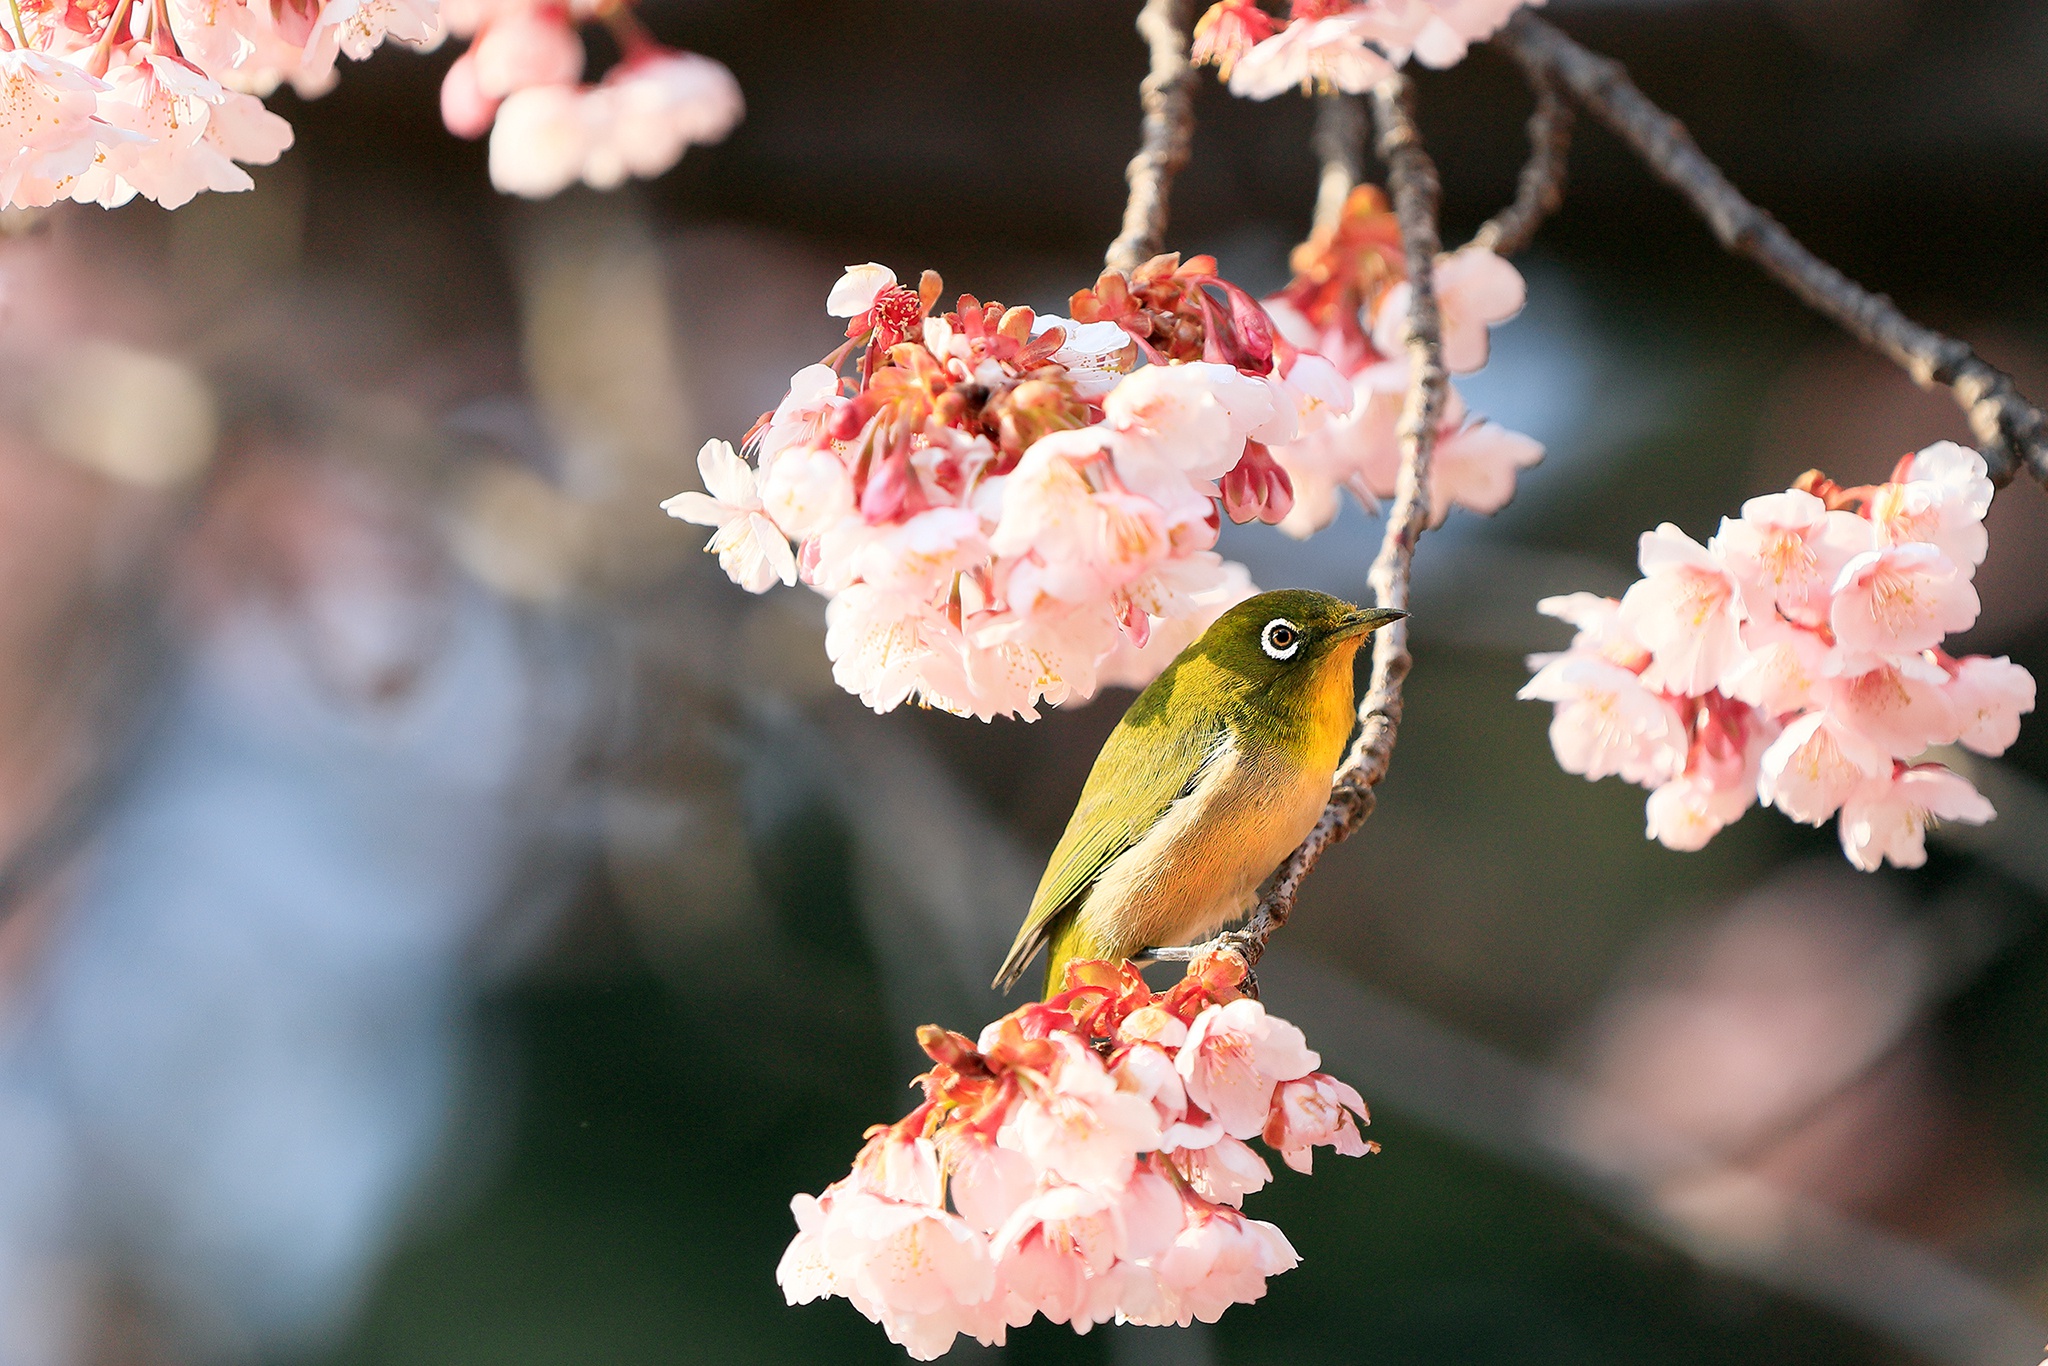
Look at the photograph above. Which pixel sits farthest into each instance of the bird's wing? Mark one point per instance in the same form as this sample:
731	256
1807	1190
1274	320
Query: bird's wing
1139	774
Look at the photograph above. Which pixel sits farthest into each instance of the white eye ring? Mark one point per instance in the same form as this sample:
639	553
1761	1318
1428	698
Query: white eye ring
1281	639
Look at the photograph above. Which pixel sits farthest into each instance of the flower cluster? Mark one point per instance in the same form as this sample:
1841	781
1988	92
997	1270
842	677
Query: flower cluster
1349	301
1086	1160
1795	659
521	80
104	100
1007	509
1326	45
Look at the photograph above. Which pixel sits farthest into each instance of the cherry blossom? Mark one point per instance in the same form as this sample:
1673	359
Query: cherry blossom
1686	610
749	547
1339	46
1475	289
1886	819
1316	55
996	531
1311	1112
1234	1057
1989	697
1898	600
1081	1190
1795	660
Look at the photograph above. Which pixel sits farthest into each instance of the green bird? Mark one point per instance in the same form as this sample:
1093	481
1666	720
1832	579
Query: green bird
1214	775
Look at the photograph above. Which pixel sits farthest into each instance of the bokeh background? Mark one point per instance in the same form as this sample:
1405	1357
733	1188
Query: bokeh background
442	921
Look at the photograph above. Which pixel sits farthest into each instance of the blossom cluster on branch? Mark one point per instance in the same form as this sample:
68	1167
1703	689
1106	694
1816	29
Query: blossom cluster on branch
1007	509
521	80
1085	1159
104	100
1796	659
1336	44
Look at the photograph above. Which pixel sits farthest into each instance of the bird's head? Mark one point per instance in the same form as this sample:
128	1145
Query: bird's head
1292	639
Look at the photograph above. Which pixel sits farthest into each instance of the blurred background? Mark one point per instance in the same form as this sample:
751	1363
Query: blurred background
443	921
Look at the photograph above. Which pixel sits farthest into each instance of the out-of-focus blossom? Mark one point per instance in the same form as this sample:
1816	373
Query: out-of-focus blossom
637	121
1799	655
1315	55
99	106
1475	290
1081	1191
1349	300
1339	46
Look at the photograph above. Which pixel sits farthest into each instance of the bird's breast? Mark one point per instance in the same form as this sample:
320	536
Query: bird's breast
1202	863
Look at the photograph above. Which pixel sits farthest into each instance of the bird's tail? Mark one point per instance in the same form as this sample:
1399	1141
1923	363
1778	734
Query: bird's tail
1071	942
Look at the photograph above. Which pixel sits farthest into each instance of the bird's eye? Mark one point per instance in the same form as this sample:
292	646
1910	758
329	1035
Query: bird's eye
1281	639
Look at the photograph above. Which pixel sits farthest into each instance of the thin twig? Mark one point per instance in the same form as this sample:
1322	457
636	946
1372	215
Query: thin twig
2012	432
1340	150
1540	189
1411	177
1167	95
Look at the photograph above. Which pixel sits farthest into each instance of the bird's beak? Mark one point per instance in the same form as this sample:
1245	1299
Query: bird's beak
1366	620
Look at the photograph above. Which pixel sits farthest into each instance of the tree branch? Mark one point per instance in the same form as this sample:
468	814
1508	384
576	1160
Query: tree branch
1412	180
1339	143
1540	189
1167	95
2012	431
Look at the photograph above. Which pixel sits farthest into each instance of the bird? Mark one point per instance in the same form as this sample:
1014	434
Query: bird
1218	770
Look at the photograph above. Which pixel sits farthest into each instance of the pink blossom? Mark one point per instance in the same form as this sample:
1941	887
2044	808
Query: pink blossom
1989	697
1225	1170
806	491
988	1181
1080	1126
1607	722
1887	817
539	141
358	27
1687	610
801	416
652	107
47	118
1053	1245
1786	552
1314	1110
916	1270
1941	502
1722	767
898	1166
1234	1056
1816	764
1184	413
1475	463
751	550
1326	54
1785	669
1219	1258
1146	1070
857	290
1475	290
1899	600
1901	707
465	110
1257	488
1096	355
525	48
881	644
1356	451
